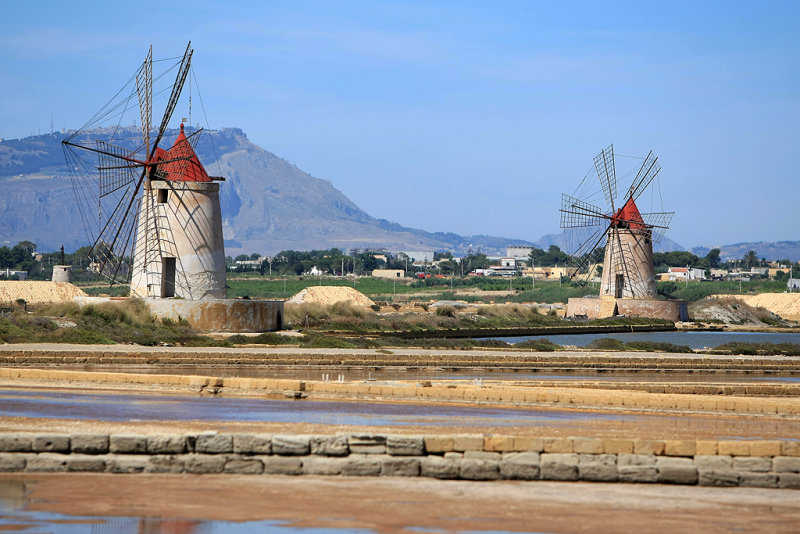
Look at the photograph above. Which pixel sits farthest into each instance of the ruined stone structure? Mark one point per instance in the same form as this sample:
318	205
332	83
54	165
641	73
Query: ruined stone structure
62	273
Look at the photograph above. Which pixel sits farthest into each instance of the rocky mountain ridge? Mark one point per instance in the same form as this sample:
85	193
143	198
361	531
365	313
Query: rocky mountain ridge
268	204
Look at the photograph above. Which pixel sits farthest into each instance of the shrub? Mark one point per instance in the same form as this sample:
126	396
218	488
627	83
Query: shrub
446	311
651	346
606	343
328	343
541	345
789	349
267	338
491	343
81	336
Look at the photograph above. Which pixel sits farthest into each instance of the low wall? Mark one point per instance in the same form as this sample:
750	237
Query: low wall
213	315
222	315
598	308
769	464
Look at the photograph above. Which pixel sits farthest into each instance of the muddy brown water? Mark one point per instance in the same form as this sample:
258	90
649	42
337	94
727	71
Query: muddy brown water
40	409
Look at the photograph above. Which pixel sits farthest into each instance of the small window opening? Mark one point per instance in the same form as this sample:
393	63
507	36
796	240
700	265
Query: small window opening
162	196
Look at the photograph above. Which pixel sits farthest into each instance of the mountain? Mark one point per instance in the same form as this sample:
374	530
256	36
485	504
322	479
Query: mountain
771	250
268	204
561	241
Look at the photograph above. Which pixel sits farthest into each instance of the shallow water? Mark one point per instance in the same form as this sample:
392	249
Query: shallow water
695	340
125	407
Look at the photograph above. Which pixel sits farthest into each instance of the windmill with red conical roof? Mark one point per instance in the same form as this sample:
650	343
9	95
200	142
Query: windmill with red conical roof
628	271
137	199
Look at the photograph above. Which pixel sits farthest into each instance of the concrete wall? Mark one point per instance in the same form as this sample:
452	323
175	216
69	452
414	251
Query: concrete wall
188	227
768	464
598	308
222	315
62	273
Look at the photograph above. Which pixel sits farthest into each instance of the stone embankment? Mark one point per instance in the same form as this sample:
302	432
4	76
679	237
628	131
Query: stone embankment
739	399
770	464
54	354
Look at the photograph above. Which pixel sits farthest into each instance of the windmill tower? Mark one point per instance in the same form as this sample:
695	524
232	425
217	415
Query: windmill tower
153	214
179	250
628	282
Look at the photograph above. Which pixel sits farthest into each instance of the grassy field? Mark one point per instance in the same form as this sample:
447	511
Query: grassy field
465	288
469	289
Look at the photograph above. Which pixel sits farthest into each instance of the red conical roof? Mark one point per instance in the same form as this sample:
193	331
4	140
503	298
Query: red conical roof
629	214
183	170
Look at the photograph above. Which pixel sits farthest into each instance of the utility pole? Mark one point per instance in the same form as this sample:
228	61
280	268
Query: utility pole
533	276
687	275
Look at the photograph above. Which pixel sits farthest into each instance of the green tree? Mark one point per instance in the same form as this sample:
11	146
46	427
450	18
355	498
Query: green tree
713	258
750	259
448	267
474	261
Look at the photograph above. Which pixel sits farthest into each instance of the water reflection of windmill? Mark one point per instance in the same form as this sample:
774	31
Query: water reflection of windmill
628	271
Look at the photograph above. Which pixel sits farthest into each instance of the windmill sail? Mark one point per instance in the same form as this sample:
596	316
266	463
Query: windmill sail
604	165
647	172
109	189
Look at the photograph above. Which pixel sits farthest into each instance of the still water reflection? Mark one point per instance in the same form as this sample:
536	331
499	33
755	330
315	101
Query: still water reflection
16	515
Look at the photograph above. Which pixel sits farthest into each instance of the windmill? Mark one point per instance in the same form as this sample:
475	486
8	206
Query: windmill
152	215
628	270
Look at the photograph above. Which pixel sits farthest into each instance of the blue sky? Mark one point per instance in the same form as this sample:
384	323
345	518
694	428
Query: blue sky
468	117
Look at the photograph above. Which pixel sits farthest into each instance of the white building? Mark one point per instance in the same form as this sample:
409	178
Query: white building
518	252
682	273
423	256
21	275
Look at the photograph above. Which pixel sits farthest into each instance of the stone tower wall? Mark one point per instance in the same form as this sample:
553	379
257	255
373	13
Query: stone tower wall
186	218
634	263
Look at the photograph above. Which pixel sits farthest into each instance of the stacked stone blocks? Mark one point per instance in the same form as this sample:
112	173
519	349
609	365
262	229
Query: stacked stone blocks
769	464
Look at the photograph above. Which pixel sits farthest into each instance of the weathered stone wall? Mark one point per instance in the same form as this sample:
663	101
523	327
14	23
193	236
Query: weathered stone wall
222	315
770	464
62	273
629	253
598	308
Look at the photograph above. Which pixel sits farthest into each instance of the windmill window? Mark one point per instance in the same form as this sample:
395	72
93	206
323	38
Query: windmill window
163	195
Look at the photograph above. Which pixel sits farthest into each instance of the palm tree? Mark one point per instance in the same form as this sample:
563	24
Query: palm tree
750	258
